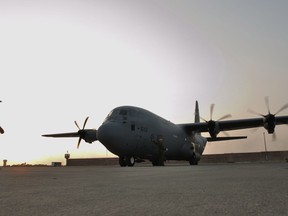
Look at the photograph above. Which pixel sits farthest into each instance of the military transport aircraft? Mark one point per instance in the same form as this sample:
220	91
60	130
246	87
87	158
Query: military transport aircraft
135	134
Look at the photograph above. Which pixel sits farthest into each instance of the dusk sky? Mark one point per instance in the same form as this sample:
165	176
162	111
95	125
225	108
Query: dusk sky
63	60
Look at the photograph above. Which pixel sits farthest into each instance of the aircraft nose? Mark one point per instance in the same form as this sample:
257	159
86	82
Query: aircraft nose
108	133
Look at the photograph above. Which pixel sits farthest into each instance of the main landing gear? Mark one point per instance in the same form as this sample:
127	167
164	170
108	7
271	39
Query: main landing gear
193	160
127	161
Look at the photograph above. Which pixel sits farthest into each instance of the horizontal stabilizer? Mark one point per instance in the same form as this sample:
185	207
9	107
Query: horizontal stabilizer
73	134
210	139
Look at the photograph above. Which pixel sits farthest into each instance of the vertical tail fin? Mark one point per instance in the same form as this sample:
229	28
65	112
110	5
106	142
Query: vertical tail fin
197	115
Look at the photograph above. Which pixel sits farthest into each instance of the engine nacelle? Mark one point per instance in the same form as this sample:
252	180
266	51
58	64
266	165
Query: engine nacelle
213	128
269	123
90	136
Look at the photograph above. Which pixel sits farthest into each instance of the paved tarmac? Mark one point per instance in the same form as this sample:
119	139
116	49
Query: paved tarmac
225	189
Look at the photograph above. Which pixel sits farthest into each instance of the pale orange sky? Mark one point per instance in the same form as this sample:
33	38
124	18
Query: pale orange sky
64	60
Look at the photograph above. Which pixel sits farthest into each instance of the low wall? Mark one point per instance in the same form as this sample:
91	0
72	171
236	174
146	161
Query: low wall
211	158
91	161
245	157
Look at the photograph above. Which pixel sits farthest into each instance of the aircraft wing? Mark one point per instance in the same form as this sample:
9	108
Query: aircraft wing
73	134
232	124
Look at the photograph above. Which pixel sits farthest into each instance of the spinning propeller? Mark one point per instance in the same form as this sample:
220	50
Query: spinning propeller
81	132
213	127
269	119
89	135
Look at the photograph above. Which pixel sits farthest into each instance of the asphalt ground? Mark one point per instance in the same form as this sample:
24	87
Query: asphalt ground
222	189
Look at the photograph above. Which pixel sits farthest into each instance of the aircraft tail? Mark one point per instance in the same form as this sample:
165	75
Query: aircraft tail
197	115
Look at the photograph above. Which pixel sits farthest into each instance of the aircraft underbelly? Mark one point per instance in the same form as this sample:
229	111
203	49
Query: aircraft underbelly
137	145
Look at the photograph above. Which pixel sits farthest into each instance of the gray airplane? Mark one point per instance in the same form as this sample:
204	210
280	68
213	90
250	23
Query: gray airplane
135	134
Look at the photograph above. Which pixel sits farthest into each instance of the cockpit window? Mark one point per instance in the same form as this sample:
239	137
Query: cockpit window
117	114
109	116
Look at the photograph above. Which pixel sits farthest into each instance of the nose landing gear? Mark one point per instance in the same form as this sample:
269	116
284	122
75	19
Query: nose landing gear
127	161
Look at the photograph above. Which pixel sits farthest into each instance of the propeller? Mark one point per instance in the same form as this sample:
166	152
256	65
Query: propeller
89	135
81	132
269	119
212	125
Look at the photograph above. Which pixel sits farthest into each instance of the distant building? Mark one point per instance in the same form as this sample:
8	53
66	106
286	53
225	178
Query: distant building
56	164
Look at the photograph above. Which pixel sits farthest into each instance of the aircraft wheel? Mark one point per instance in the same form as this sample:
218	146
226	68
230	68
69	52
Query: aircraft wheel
157	162
130	161
122	161
193	162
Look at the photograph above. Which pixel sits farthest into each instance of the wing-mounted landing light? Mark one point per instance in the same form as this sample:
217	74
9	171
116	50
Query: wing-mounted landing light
269	119
213	126
89	135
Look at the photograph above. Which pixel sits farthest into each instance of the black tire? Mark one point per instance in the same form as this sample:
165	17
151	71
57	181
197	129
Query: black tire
157	162
122	161
193	162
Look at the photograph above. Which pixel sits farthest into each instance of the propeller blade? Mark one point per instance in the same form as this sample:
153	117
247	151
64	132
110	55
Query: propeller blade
77	125
203	119
255	113
211	110
282	108
225	133
85	122
267	103
80	132
224	117
274	137
79	140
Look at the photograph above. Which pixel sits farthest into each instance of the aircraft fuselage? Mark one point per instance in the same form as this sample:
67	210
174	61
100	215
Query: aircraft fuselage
134	132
